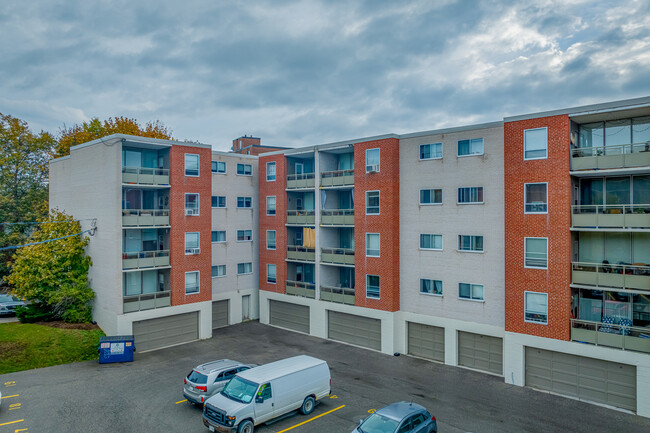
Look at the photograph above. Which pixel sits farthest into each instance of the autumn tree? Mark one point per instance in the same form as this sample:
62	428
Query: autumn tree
24	160
55	274
95	129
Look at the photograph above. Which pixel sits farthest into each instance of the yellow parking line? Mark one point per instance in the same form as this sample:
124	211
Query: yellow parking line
9	396
12	422
180	401
311	419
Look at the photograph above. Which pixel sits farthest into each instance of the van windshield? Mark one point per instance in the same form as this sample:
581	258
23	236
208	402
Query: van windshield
240	390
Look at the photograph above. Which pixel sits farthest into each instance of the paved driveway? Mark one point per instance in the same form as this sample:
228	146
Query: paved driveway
146	395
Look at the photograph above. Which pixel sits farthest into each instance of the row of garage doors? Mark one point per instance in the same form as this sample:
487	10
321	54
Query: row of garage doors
571	375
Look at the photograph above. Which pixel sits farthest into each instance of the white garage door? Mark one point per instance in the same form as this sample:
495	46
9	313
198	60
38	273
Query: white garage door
426	341
290	316
219	314
166	331
581	377
481	352
362	331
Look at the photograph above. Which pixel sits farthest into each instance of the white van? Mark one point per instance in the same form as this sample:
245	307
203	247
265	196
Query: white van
262	393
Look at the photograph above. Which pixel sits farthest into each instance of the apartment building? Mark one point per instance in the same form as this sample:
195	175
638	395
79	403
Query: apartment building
166	253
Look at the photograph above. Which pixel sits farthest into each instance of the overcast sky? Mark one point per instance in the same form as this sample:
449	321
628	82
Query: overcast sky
309	72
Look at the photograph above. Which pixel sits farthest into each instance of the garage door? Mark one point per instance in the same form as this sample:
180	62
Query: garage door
581	377
219	314
362	331
481	352
426	341
166	331
290	316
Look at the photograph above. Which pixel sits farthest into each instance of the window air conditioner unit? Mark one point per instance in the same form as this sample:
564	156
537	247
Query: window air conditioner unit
193	251
191	211
374	168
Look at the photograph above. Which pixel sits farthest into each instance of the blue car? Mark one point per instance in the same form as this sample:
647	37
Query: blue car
402	417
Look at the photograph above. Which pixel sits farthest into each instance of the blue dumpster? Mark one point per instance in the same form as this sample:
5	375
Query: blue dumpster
116	349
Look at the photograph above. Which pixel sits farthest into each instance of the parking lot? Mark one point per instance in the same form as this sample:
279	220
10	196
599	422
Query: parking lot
146	395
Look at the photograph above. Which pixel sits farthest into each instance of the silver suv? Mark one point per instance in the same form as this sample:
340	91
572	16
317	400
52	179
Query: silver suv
208	379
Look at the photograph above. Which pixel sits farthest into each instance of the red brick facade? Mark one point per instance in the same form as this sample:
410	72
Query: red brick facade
386	224
555	226
180	224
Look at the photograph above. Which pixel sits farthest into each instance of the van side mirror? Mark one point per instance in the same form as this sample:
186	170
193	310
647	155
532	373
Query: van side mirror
360	421
259	399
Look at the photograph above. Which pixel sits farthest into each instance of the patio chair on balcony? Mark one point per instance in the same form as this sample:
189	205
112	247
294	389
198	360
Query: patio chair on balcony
625	325
608	325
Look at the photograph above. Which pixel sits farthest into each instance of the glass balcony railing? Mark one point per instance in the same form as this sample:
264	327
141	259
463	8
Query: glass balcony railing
299	288
145	259
611	335
622	216
341	295
146	301
302	180
145	217
337	256
635	276
603	157
307	217
337	178
337	217
145	176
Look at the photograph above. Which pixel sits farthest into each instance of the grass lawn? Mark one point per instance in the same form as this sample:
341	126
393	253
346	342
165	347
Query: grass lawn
24	346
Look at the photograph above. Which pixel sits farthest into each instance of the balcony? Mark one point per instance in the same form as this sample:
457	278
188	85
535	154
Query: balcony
608	157
145	217
341	295
337	217
337	256
299	288
145	176
304	217
626	216
146	301
297	252
303	180
145	259
611	335
337	178
610	275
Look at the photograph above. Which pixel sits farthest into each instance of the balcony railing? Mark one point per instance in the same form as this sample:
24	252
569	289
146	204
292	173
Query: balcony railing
620	336
337	217
145	217
145	176
301	217
342	295
303	180
146	301
337	178
602	157
338	256
145	259
610	275
297	252
299	288
611	216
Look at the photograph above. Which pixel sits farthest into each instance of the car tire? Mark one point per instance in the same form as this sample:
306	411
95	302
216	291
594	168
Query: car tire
307	406
246	427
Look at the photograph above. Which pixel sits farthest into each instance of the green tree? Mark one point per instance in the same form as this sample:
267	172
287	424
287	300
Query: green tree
95	129
24	160
55	274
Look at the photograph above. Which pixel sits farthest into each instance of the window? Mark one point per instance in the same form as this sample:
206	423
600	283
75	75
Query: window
470	291
270	171
218	167
536	253
431	287
270	239
244	235
218	271
473	194
244	268
244	202
372	244
372	286
191	282
271	274
535	143
270	205
265	391
430	242
536	307
431	151
191	165
218	201
470	243
431	196
372	202
372	160
244	170
536	198
191	204
192	243
219	236
470	147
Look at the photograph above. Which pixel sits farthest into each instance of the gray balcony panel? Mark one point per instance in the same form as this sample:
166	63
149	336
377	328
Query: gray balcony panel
629	338
608	157
609	275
